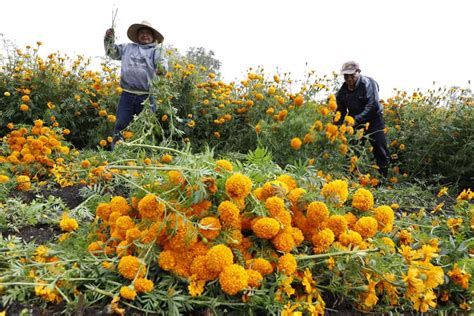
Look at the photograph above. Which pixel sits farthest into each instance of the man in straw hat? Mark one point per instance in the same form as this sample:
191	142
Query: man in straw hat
359	97
141	61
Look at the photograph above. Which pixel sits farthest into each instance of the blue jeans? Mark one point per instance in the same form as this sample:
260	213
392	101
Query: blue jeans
129	105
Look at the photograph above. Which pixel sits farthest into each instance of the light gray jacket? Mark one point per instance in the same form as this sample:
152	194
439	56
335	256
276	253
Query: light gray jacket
139	63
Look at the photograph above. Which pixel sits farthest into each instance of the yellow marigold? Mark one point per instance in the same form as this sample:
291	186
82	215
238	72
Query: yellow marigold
124	223
175	177
465	195
335	192
261	265
4	178
405	237
297	235
119	204
284	242
275	205
255	278
219	257
459	276
288	180
238	186
210	227
224	165
23	182
366	226
350	238
296	143
322	240
317	213
68	224
266	227
166	158
167	260
143	285
150	208
130	266
229	214
363	200
103	211
233	279
287	264
337	223
385	217
128	293
132	234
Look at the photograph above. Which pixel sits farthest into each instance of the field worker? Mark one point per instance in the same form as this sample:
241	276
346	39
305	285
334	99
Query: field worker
359	97
141	61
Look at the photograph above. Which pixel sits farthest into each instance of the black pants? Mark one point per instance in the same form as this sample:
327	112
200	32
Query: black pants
377	139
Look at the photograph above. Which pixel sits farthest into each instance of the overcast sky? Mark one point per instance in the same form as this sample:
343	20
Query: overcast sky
405	44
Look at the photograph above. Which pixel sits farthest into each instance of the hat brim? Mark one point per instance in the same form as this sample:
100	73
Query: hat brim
348	71
132	33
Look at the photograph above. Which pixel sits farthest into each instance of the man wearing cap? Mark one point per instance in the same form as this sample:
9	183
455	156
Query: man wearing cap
359	97
141	61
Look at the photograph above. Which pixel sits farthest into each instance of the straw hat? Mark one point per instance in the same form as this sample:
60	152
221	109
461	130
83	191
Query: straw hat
350	67
132	32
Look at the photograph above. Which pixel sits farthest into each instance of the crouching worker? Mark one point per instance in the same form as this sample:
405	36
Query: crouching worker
359	97
140	62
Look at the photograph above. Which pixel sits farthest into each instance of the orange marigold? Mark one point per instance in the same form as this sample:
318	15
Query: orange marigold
150	208
198	268
287	264
233	279
255	278
337	223
120	204
143	285
284	242
366	226
317	213
296	143
322	240
127	293
68	224
266	227
229	214
224	165
275	205
167	260
335	192
350	238
385	217
238	186
210	227
363	200
219	257
130	266
261	265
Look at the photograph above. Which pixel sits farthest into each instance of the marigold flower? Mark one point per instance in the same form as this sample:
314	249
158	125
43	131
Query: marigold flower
4	178
296	143
143	285
210	227
322	240
295	197
68	224
335	192
366	226
95	247
266	227
233	279
350	238
284	242
238	186
261	265
405	237
224	165
337	223
167	260
103	211
459	276
150	208
130	266
423	301
127	293
119	204
317	213
199	269
254	278
23	182
385	217
166	158
275	205
229	213
363	200
287	264
219	257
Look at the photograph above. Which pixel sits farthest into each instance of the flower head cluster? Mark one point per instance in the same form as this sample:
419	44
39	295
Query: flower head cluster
150	208
238	186
266	227
335	192
130	266
233	279
363	200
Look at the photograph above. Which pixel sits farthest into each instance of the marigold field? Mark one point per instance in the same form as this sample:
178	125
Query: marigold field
239	198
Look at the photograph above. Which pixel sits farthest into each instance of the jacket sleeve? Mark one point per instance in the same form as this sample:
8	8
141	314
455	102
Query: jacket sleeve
161	63
112	50
372	106
341	107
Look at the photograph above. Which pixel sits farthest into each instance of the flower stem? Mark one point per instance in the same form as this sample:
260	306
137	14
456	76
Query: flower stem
339	253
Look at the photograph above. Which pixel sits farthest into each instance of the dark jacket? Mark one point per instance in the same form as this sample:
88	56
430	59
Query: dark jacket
362	103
